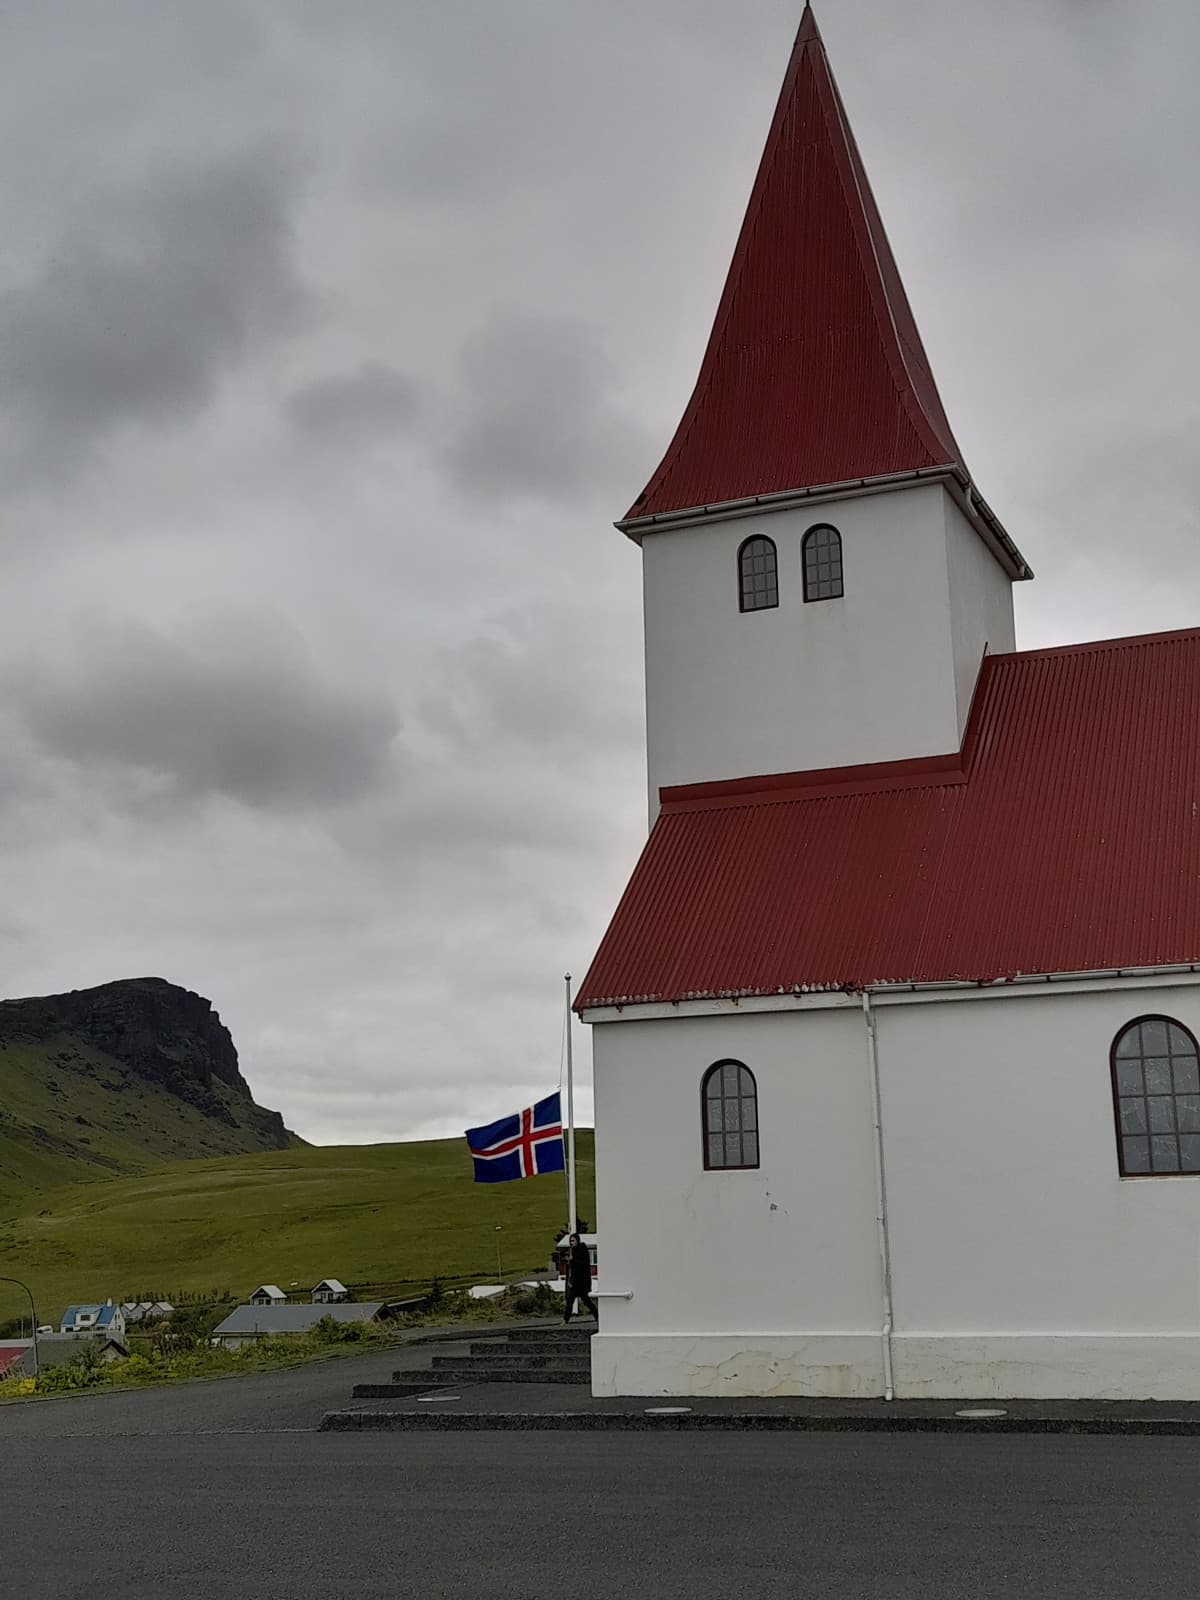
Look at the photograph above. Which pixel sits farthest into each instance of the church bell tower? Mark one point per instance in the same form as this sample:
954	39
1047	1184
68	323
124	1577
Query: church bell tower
822	579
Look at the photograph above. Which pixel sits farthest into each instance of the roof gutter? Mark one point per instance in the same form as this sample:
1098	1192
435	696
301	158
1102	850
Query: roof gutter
956	478
841	995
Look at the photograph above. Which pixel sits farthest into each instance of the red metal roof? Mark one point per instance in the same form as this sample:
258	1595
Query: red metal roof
814	373
1065	837
10	1357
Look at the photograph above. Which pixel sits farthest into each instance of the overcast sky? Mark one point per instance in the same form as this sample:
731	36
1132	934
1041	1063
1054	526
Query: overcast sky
333	338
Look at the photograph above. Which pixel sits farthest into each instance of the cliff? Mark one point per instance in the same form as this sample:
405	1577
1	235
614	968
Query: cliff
116	1079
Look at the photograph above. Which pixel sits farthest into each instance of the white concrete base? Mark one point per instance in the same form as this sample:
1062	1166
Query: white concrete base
848	1365
925	1366
1047	1366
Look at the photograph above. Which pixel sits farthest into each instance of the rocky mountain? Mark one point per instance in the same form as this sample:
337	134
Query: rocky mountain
117	1079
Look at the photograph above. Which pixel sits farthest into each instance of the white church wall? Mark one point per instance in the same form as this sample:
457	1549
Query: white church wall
868	677
981	606
761	1281
1022	1262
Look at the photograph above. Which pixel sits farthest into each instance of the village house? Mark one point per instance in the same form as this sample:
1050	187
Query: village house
329	1291
147	1311
897	1083
60	1349
15	1358
268	1294
106	1321
246	1324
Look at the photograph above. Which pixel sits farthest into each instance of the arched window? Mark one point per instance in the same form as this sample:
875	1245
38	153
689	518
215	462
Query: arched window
1156	1089
759	572
729	1103
821	551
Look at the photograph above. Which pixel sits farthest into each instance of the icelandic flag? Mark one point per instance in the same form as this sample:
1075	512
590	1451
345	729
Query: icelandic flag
520	1146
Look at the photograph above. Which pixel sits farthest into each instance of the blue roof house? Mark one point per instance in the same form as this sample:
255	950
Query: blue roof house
105	1322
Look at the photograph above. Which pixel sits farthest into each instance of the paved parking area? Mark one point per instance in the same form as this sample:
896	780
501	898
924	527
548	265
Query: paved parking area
226	1489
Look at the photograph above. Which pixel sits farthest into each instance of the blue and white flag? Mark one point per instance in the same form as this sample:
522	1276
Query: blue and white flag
521	1146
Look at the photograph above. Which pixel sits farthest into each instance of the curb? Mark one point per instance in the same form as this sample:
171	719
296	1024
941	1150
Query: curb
739	1422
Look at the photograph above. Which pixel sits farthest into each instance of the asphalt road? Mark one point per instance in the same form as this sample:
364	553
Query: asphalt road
222	1490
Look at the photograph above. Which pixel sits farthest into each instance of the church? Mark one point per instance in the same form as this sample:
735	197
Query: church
895	1025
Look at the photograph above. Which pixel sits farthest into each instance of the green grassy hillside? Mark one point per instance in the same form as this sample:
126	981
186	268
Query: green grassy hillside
373	1215
69	1113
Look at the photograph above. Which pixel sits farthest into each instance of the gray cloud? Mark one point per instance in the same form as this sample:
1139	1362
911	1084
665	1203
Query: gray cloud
145	301
372	401
537	411
406	766
233	710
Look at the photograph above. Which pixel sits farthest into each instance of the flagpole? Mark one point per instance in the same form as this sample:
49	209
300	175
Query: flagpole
572	1207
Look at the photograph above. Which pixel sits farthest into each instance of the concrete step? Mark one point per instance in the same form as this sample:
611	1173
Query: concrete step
544	1364
533	1347
476	1373
567	1333
535	1355
392	1391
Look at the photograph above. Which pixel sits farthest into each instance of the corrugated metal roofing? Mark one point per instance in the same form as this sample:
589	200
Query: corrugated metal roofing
1064	838
815	373
294	1319
10	1355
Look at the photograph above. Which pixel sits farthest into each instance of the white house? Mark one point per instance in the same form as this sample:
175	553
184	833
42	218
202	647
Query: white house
895	1025
101	1321
329	1291
268	1294
147	1311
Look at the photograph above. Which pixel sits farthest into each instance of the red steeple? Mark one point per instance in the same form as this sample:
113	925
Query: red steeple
814	374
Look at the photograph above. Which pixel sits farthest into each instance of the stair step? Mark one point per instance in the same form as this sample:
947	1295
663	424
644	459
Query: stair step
391	1391
517	1358
469	1373
533	1347
575	1333
449	1364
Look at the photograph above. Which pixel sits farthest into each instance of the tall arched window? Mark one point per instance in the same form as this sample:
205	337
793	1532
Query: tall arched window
821	551
729	1106
1156	1092
759	573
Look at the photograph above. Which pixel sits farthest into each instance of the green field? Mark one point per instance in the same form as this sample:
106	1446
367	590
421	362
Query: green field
382	1218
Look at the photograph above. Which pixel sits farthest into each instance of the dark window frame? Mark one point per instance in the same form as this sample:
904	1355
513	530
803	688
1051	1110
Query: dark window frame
730	1166
1122	1031
811	599
743	548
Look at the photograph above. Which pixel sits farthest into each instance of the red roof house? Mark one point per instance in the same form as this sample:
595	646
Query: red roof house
11	1355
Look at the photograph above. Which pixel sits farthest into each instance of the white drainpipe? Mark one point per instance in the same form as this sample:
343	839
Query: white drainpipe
885	1254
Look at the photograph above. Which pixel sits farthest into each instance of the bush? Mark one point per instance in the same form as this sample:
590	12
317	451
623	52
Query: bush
84	1372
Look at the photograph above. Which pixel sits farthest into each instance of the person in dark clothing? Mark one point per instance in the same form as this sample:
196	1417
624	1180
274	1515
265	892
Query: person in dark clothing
579	1279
